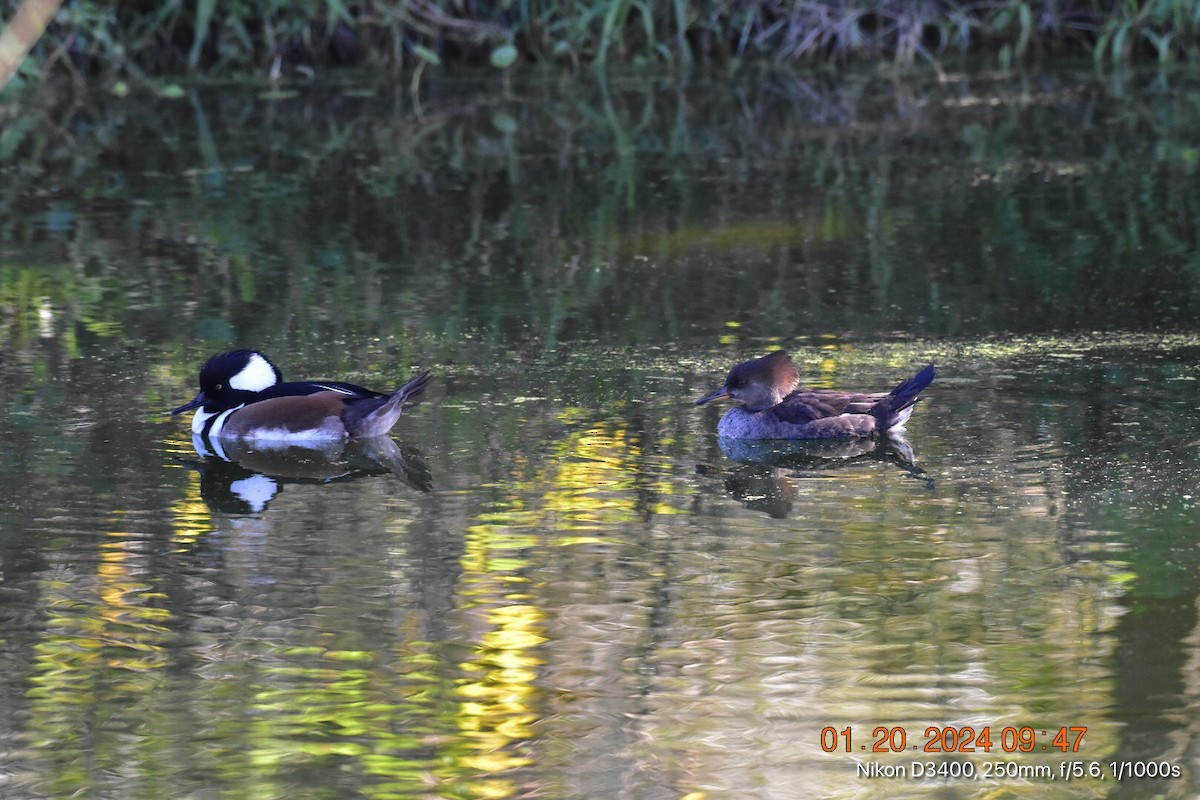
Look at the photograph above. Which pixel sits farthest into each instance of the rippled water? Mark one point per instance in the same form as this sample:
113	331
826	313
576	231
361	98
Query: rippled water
559	582
601	602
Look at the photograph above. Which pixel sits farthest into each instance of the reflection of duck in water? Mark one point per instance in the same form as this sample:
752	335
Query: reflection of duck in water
775	406
240	477
770	473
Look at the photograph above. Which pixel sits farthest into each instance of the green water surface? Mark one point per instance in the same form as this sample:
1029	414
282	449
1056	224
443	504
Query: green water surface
579	591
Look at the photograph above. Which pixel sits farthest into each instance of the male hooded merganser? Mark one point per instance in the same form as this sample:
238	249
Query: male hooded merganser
777	407
242	397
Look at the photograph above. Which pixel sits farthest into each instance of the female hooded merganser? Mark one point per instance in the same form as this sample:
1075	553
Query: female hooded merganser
242	397
777	407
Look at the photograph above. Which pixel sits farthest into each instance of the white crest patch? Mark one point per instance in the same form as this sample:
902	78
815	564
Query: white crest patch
258	374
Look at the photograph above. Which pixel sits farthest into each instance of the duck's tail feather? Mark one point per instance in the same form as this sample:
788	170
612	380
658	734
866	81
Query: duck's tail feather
380	420
894	410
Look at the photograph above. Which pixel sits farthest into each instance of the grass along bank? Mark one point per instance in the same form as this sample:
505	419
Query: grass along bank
133	39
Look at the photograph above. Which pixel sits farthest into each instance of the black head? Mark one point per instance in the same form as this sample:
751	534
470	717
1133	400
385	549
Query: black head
228	379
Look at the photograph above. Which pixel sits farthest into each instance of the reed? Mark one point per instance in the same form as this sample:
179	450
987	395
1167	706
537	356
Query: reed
238	36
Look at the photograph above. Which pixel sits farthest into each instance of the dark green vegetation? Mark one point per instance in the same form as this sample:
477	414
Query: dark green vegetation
155	37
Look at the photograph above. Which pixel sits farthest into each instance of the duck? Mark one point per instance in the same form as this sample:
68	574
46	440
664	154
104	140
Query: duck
775	406
243	397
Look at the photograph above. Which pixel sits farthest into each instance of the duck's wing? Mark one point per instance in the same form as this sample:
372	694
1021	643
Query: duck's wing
848	402
808	405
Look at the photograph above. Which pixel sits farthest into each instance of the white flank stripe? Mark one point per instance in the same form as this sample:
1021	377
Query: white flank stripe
283	436
337	389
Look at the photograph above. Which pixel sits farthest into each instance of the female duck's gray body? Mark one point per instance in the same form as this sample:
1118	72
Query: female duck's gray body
776	407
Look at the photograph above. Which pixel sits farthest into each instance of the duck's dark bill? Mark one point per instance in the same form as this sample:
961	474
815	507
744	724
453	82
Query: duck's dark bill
717	395
196	402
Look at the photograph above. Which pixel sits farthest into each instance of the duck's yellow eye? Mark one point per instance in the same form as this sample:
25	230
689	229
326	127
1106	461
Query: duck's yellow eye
220	387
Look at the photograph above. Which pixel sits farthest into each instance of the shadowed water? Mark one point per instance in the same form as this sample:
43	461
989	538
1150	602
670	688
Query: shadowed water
557	581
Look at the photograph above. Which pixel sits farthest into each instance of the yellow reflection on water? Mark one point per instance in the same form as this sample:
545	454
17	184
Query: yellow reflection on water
589	483
741	236
191	516
587	488
497	696
102	655
497	706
